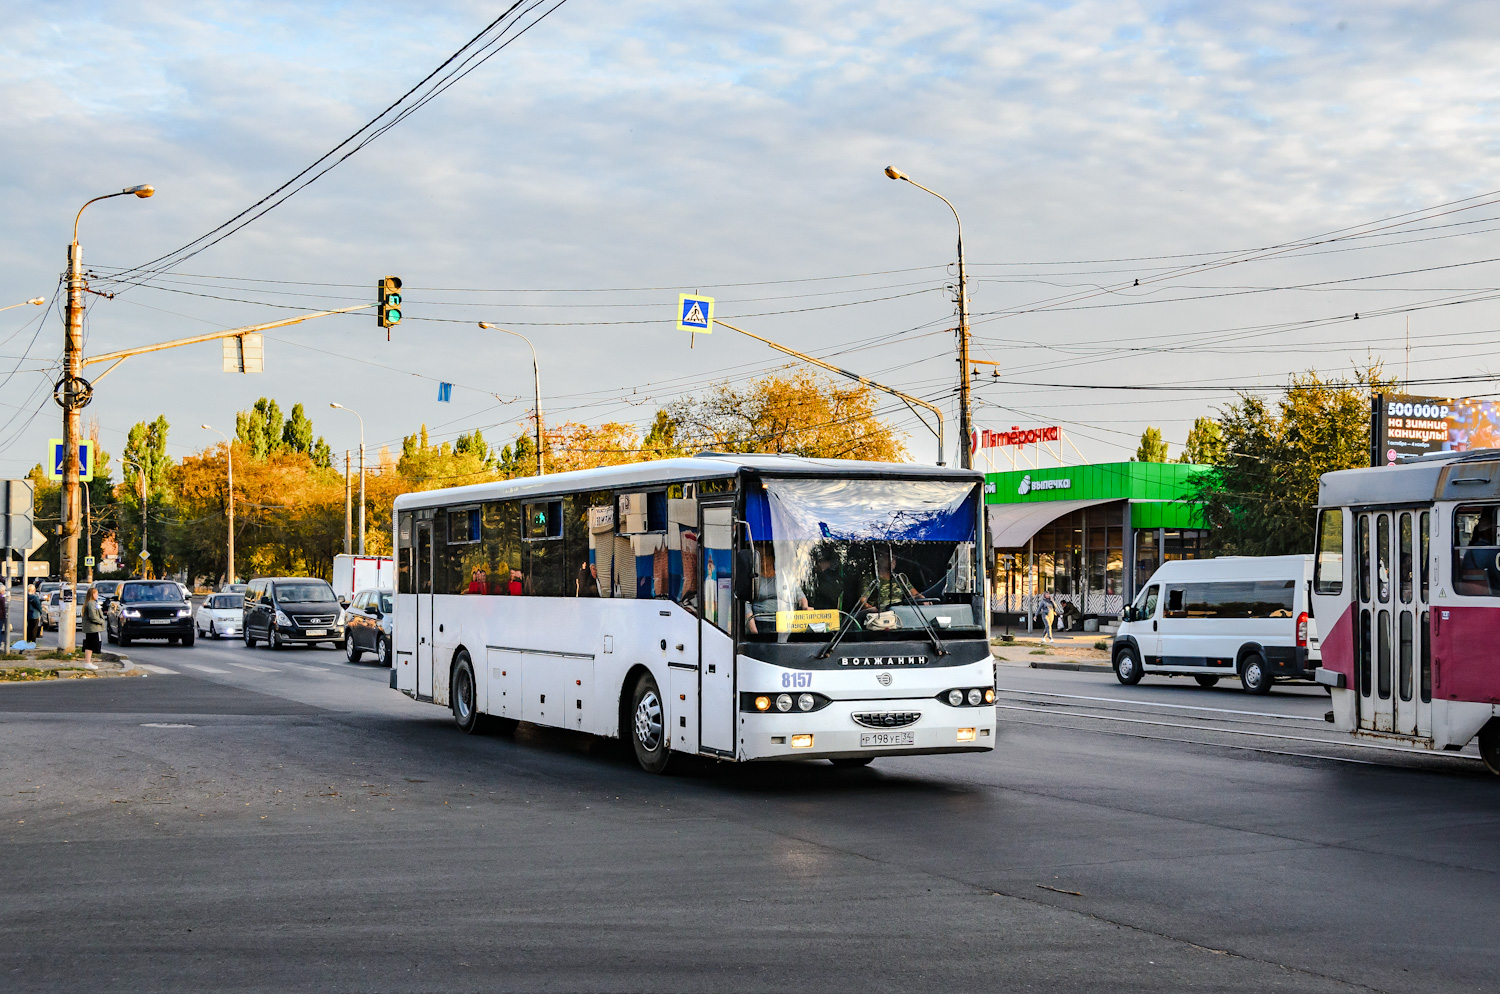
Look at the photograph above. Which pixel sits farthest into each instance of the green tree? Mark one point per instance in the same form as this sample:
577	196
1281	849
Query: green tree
1153	447
260	428
1205	443
1259	498
297	432
146	449
448	464
661	439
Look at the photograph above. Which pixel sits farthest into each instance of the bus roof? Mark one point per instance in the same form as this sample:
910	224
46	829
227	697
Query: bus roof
703	466
1420	480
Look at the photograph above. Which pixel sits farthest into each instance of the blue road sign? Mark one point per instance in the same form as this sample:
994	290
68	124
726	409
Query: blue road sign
445	393
55	460
695	314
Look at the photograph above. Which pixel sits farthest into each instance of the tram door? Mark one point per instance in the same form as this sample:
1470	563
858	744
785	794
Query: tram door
1393	658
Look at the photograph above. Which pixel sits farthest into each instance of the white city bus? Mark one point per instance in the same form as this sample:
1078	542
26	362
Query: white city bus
736	607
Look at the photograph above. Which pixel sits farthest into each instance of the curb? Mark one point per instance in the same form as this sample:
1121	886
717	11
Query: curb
1077	667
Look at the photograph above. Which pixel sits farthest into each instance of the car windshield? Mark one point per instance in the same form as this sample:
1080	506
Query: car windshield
136	593
107	587
891	557
305	592
223	602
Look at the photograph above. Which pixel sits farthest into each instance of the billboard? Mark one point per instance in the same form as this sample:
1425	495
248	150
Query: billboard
1404	426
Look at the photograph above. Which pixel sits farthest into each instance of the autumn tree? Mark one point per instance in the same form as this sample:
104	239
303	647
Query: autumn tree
788	413
1205	443
1259	498
1153	447
465	460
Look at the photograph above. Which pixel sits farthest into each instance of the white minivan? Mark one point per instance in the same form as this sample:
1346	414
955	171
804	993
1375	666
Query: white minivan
1242	616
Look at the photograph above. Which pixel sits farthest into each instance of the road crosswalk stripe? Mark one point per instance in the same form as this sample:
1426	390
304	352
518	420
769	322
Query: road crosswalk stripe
156	669
258	669
205	669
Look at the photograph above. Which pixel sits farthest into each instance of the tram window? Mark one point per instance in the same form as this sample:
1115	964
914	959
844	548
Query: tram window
1405	555
1425	552
1383	657
1330	571
1364	558
1405	658
1364	653
1476	550
1426	678
1383	557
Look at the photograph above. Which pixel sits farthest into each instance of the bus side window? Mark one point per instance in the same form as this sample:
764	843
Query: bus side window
1329	571
1149	609
1176	603
546	569
403	554
500	533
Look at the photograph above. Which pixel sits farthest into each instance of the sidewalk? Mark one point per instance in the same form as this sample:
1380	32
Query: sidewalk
1078	651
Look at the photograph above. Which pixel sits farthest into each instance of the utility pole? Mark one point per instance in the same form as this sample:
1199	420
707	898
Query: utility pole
72	392
348	506
965	420
229	455
340	407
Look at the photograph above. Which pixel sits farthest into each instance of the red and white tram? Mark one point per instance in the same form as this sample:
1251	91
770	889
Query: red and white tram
1406	590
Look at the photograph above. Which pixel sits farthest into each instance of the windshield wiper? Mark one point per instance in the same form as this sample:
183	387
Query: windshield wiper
844	628
908	593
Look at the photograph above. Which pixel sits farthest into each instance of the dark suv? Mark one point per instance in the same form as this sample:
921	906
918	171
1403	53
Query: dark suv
149	609
283	610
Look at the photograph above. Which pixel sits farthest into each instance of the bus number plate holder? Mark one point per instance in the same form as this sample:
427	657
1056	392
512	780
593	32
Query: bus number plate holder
867	739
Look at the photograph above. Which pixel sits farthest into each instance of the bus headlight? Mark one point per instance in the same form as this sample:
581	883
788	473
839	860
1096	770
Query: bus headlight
784	702
989	695
805	702
956	698
802	741
762	703
975	698
966	735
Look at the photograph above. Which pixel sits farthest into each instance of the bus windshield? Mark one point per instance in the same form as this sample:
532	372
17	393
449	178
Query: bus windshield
887	558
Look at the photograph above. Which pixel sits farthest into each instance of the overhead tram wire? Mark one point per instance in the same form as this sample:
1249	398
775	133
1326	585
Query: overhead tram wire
470	56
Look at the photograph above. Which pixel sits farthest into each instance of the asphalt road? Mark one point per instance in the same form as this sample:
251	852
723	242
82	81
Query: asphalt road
268	821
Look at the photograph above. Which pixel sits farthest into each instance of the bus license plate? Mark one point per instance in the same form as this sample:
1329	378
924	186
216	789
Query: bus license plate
316	631
887	738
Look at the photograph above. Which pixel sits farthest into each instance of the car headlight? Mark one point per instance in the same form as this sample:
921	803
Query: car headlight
130	612
341	620
282	619
184	612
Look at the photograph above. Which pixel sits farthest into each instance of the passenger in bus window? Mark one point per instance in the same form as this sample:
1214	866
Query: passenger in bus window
587	582
478	581
517	588
763	600
827	583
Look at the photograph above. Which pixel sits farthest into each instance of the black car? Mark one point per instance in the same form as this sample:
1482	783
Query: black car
108	591
149	609
370	615
284	610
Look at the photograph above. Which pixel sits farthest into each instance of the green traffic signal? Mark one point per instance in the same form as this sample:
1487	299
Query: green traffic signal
388	302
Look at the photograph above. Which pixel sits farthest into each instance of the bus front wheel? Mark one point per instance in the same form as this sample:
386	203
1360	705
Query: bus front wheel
648	726
1489	744
1254	675
465	696
1128	667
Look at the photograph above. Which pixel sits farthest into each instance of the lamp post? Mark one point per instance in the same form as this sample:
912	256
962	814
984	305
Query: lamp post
141	472
72	393
965	426
38	301
229	455
341	407
536	379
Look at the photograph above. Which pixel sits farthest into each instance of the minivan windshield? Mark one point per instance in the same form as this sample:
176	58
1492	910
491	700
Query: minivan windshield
162	592
304	592
889	557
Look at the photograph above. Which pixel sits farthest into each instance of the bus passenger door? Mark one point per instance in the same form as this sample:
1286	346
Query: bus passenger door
716	711
424	610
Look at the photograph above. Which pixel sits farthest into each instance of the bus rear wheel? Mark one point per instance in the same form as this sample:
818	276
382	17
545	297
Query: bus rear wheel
1204	680
852	762
1489	744
1254	675
465	696
648	726
1128	667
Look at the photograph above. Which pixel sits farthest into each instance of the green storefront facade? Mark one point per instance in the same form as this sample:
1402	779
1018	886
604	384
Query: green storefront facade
1072	530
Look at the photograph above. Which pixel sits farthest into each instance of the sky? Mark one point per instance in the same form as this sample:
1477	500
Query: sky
620	153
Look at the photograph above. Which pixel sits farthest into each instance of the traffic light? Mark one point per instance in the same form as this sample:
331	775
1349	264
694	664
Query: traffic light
388	303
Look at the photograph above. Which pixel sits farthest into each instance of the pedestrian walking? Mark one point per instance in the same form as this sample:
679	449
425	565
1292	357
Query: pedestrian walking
93	624
1049	614
35	612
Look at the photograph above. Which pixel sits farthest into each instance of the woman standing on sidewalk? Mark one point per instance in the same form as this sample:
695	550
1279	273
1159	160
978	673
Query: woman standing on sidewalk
1049	614
93	624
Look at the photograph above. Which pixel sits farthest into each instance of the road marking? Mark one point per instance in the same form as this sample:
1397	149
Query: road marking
205	669
258	669
1157	704
156	669
1239	731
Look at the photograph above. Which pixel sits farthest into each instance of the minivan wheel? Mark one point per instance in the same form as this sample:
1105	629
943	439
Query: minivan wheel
1128	667
1204	680
648	726
465	696
277	643
1254	675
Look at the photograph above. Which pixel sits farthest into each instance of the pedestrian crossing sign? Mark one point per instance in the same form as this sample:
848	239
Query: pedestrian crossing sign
85	459
695	314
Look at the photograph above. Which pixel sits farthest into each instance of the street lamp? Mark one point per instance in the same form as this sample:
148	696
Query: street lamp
38	301
536	378
228	454
72	393
341	407
965	428
140	471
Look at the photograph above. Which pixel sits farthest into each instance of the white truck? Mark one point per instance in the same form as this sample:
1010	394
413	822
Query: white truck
351	573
